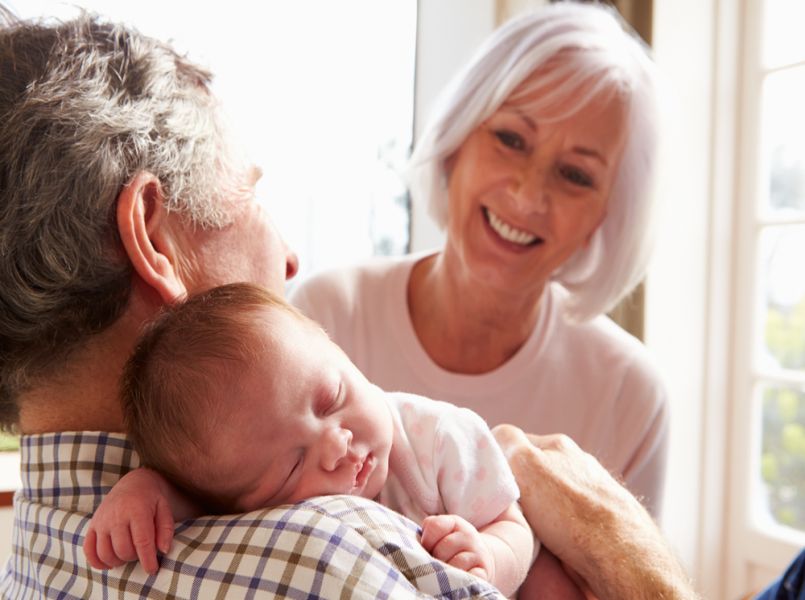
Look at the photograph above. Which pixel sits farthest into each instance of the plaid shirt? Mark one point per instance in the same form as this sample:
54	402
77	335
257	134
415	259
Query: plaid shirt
337	546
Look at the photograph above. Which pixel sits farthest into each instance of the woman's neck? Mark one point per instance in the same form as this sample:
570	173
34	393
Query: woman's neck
464	325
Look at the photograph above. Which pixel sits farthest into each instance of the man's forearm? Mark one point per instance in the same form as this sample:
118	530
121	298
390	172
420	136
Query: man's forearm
590	521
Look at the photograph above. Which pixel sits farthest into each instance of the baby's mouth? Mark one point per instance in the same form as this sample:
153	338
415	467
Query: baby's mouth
363	469
509	232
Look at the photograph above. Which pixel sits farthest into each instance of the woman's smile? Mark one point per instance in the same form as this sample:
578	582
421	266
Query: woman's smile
508	232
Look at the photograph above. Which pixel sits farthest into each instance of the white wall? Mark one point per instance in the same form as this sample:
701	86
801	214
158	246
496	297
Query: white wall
448	33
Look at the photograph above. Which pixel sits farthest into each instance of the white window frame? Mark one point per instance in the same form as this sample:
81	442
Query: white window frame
689	289
699	293
757	551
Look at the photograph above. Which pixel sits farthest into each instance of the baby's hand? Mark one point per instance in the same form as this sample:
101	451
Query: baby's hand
458	543
131	522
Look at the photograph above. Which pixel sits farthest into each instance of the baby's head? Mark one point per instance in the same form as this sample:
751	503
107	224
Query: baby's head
243	402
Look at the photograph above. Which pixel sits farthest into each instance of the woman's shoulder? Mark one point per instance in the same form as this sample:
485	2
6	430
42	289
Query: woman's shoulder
598	333
604	342
353	285
345	281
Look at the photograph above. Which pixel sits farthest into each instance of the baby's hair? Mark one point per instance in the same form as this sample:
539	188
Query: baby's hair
176	384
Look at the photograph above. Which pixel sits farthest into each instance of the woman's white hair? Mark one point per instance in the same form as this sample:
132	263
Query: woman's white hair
601	56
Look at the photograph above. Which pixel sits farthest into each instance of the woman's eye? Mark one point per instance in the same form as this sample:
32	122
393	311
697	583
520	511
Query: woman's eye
510	139
576	176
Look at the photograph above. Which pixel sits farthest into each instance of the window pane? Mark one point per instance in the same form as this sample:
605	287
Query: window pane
321	97
783	455
784	142
782	282
783	39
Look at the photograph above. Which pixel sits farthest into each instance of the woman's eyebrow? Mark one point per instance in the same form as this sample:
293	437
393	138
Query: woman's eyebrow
591	153
528	121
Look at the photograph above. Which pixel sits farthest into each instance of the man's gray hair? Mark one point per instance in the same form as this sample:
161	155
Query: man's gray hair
84	106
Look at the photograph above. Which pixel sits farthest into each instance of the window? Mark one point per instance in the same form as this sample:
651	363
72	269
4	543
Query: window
770	363
321	95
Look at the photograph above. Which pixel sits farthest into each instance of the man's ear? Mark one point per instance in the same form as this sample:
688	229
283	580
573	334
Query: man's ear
143	228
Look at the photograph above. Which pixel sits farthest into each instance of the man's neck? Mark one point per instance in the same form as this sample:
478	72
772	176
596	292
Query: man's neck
83	394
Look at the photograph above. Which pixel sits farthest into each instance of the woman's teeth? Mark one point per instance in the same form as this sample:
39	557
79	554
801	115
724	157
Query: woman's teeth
509	233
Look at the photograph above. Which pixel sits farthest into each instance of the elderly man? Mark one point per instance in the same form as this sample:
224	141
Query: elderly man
119	193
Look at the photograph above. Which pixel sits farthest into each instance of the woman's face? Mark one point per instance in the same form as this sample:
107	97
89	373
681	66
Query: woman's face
526	192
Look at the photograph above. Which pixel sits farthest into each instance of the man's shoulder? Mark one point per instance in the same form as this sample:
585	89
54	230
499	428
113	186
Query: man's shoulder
311	549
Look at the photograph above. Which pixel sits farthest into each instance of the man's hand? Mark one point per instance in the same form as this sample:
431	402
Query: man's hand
133	520
590	521
457	542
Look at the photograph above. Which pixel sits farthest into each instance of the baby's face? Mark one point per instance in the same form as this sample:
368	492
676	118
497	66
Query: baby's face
305	422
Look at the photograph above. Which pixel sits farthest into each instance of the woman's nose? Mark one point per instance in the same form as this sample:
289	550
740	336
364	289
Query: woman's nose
528	190
334	447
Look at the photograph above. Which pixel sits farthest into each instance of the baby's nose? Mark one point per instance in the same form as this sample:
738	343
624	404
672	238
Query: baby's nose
335	448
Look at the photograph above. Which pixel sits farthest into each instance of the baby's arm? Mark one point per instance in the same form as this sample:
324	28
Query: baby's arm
134	519
499	552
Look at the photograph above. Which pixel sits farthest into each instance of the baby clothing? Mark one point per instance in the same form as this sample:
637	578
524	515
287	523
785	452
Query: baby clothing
444	460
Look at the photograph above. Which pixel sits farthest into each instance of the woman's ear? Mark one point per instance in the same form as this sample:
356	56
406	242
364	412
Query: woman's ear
142	224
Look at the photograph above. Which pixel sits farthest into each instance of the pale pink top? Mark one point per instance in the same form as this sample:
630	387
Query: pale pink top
591	381
444	460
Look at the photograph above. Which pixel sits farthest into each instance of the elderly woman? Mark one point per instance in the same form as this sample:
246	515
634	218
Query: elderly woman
537	163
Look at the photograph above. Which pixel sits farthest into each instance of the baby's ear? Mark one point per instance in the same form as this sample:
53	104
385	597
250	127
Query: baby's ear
147	239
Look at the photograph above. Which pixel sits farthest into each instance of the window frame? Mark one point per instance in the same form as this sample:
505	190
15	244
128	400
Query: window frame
757	551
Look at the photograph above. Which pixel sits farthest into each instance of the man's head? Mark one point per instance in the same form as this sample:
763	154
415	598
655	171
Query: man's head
115	171
245	403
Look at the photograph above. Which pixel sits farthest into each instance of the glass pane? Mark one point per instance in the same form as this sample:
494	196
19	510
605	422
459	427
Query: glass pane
783	39
782	284
321	96
783	133
782	463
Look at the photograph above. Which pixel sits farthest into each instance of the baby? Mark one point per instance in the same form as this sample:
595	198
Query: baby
241	402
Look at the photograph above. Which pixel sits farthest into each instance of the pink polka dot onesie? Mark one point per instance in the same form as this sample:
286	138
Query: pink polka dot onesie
444	460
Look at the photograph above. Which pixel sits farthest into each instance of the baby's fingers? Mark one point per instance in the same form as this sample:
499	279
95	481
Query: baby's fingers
164	526
91	551
142	535
435	528
122	543
106	553
479	572
468	561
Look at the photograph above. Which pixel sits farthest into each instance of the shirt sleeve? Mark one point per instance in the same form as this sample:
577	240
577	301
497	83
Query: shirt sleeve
474	478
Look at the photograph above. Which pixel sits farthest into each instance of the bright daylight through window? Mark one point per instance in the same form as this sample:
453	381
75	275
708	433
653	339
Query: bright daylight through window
780	282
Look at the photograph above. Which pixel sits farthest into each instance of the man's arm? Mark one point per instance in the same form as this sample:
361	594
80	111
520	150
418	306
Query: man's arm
590	521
